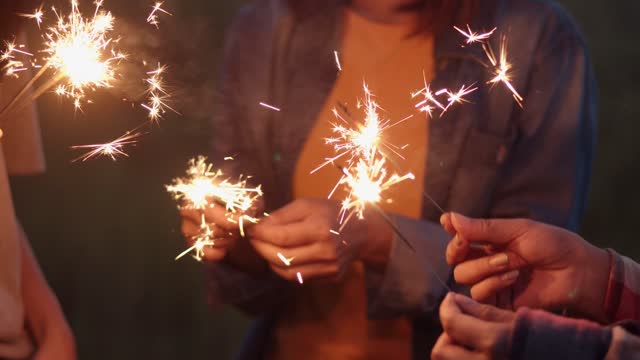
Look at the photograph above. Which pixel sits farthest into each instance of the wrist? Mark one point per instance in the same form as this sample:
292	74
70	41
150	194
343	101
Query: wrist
593	270
377	242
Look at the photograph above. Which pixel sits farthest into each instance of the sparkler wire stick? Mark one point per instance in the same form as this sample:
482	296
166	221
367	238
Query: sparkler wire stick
8	108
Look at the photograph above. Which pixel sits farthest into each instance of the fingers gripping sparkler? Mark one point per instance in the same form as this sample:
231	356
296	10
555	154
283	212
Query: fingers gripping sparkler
205	187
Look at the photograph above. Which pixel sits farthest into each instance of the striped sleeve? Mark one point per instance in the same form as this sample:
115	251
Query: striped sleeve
622	301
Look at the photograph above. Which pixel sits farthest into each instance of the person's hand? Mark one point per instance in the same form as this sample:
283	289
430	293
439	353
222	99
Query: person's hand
537	265
473	331
57	342
303	232
226	228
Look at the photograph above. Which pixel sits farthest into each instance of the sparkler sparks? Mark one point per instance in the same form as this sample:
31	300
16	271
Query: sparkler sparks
153	16
431	102
203	183
502	68
205	187
112	149
360	140
158	102
203	239
501	65
269	106
13	66
337	57
366	183
81	50
473	37
37	15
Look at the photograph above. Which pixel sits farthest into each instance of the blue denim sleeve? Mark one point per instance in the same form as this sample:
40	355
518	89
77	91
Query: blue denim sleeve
413	282
250	293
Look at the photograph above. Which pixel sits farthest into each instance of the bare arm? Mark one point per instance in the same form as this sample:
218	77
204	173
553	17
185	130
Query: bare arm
44	316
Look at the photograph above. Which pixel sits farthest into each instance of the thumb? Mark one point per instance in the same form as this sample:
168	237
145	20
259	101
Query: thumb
492	231
482	311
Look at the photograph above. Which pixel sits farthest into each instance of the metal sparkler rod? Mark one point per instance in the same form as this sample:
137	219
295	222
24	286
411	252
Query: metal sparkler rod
9	107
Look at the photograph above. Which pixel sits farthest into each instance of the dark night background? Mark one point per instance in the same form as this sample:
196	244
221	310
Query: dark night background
106	232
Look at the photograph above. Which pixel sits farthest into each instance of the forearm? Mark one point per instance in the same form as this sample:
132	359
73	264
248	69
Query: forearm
45	319
538	334
592	273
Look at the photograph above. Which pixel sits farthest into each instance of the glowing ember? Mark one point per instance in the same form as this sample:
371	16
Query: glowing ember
153	16
269	106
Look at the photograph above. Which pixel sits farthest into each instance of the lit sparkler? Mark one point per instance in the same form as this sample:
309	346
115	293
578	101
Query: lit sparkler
80	50
206	187
360	140
153	16
501	65
366	183
112	149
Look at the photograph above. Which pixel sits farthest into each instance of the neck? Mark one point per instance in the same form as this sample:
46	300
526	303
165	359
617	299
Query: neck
389	11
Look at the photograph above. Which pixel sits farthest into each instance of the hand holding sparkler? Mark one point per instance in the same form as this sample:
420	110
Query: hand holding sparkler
214	208
300	239
542	266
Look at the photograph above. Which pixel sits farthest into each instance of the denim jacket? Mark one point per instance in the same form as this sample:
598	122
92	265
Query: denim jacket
489	158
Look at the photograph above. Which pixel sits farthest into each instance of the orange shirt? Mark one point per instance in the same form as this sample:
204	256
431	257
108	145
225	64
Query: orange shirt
329	320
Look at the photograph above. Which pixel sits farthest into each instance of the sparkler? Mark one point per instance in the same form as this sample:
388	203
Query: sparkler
362	140
501	65
153	16
366	183
80	50
205	187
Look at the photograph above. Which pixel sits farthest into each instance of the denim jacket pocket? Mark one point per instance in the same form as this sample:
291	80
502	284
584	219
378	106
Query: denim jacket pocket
478	172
